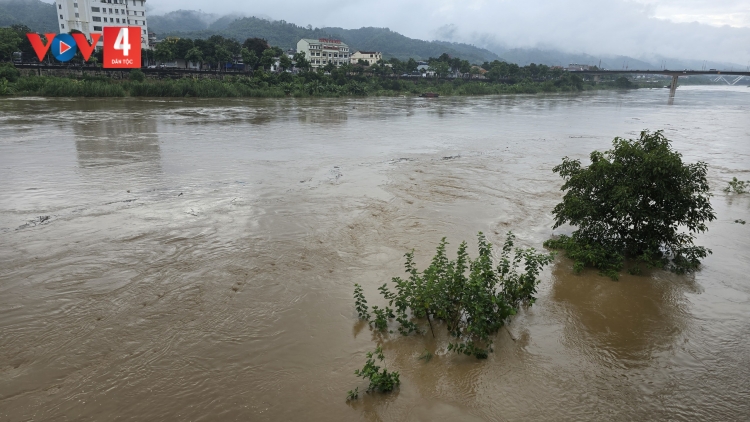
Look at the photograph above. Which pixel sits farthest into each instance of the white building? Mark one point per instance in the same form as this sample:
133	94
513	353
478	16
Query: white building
91	16
323	51
371	57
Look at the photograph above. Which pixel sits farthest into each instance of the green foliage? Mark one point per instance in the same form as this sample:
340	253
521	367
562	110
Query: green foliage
285	62
5	88
586	253
249	58
256	45
426	356
737	186
352	394
137	75
360	303
9	42
300	62
64	87
382	381
637	200
381	318
165	51
342	81
623	82
9	72
194	55
473	298
268	58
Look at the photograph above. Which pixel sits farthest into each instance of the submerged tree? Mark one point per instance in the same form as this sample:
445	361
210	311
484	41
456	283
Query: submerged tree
637	200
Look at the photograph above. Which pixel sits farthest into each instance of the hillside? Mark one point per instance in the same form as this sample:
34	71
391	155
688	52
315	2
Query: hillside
286	35
36	14
188	20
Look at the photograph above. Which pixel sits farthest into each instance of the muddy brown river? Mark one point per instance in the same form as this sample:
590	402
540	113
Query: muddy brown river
194	259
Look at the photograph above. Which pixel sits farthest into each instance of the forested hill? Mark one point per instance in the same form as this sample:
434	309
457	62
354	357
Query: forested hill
36	14
286	35
393	44
186	21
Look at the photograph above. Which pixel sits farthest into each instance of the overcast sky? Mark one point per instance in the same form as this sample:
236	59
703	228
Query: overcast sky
692	29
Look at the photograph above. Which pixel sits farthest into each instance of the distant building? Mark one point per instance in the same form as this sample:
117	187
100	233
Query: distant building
575	67
91	16
323	51
371	57
479	70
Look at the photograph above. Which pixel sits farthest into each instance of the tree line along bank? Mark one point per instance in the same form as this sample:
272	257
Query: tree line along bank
270	72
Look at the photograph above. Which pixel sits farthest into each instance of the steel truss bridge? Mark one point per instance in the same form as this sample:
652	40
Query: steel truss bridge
734	76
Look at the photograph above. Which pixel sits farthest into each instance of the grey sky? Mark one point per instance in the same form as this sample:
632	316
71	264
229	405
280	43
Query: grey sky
695	29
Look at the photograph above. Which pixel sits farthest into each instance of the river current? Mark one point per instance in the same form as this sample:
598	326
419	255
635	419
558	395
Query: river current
194	259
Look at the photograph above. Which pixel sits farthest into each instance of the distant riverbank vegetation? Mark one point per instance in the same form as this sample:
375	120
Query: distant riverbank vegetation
338	83
269	72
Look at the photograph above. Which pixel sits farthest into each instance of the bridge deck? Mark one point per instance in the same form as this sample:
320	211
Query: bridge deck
664	72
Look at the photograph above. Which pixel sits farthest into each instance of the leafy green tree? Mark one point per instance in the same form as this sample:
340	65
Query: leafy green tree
268	58
285	62
440	68
329	67
181	47
411	65
257	45
164	51
300	62
9	43
207	49
464	66
194	55
222	55
637	200
25	45
249	58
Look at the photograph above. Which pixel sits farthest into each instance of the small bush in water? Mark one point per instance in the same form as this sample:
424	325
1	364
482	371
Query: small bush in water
472	297
382	381
737	186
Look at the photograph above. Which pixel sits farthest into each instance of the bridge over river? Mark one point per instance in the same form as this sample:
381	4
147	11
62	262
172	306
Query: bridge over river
675	74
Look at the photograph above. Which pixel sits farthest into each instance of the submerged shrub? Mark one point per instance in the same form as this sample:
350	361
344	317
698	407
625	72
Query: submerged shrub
473	298
737	186
380	380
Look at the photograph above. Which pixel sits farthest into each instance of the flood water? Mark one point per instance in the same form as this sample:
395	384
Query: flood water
194	259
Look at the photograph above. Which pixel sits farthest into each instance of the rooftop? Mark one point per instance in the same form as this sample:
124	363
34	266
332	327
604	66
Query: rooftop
323	40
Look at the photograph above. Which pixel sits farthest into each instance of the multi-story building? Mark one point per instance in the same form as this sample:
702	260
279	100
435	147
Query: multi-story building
371	57
323	51
92	16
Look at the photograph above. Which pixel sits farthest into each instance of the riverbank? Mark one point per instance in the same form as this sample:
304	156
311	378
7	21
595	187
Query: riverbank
270	85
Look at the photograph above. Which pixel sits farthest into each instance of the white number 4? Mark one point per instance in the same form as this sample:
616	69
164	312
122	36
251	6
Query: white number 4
121	43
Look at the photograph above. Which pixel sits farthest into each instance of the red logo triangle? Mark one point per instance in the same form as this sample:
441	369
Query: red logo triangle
64	47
